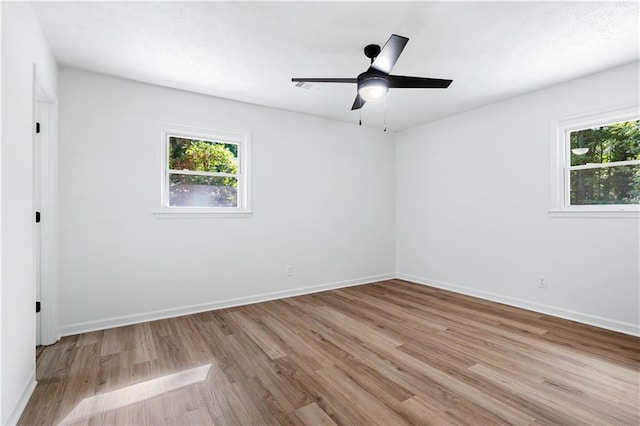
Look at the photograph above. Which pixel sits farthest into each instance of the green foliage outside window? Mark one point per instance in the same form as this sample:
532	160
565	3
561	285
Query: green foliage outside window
618	184
203	156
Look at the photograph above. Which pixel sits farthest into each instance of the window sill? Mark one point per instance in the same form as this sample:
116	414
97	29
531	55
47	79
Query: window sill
624	214
194	214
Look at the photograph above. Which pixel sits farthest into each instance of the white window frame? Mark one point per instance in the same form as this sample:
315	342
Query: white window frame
561	166
241	138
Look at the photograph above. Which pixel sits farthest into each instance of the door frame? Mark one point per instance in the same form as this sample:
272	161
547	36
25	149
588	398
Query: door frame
48	109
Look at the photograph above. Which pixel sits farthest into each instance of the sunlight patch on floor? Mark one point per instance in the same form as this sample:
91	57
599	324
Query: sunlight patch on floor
133	394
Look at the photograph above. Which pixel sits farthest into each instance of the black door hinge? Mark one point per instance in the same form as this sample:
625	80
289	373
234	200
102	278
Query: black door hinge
37	127
37	307
37	217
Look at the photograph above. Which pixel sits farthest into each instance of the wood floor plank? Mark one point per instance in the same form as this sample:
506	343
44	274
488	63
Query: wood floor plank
267	342
361	400
421	413
313	415
558	401
387	353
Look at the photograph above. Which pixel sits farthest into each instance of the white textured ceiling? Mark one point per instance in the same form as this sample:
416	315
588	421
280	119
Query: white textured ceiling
248	51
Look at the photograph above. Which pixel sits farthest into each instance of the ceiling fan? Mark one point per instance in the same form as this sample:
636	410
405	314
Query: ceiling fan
374	83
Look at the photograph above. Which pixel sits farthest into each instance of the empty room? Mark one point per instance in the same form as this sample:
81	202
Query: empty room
320	213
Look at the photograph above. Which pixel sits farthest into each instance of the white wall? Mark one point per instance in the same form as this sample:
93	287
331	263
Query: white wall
471	214
23	45
473	194
322	195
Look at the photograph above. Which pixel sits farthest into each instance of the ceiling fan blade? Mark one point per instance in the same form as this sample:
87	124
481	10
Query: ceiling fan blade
404	82
324	80
389	54
358	103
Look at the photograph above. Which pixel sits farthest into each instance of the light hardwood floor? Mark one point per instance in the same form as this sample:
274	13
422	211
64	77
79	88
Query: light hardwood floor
388	353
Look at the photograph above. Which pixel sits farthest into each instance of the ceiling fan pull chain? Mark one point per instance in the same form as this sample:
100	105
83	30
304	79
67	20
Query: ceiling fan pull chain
360	111
384	115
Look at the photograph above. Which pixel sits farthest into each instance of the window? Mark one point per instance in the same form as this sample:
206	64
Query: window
204	171
598	163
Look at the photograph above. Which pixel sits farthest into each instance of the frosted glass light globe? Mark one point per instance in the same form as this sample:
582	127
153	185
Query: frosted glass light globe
372	91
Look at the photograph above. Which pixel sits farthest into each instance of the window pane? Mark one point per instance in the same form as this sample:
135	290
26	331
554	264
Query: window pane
202	191
607	185
202	156
606	144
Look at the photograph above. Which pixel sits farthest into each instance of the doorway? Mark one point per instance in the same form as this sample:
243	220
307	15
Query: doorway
44	220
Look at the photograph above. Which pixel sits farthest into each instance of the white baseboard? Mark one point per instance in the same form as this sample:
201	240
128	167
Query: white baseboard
28	388
607	323
84	327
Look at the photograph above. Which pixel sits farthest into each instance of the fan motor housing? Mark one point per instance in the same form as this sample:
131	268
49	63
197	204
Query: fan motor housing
371	76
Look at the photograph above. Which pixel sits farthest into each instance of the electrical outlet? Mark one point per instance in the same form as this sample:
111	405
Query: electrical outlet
289	270
543	282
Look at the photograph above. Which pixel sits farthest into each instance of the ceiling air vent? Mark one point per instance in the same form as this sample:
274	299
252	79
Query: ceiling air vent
308	86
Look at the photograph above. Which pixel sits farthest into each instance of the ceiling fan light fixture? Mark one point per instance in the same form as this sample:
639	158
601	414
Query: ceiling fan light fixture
373	89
